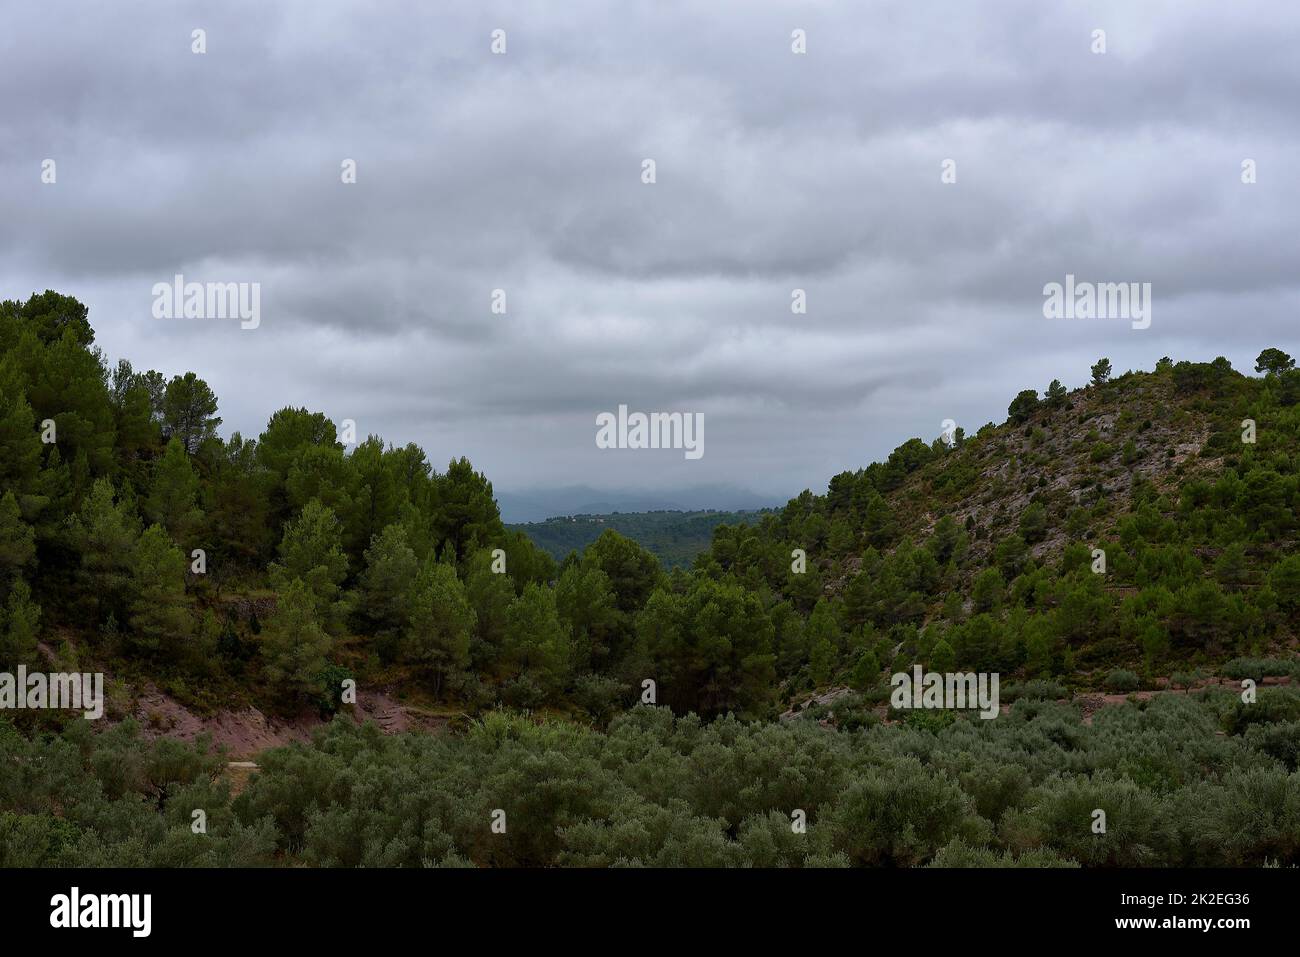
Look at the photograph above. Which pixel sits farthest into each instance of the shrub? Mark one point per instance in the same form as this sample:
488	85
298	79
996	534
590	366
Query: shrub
1036	689
1120	680
1259	668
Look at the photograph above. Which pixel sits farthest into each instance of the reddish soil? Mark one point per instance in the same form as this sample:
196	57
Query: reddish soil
247	732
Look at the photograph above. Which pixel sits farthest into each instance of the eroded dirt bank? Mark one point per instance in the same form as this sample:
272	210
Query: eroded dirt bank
247	732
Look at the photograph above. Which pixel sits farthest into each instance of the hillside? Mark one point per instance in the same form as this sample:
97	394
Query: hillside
982	553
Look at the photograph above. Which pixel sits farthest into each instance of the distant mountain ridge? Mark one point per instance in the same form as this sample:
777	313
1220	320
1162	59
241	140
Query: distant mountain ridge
538	505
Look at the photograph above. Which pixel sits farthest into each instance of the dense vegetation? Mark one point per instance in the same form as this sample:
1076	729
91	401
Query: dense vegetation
675	538
664	791
136	540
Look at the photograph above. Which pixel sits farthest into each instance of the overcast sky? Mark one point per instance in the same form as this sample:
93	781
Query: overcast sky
775	171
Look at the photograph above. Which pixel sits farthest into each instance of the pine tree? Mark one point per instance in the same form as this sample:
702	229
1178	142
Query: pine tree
585	602
866	672
823	636
294	647
189	411
1274	362
159	617
20	441
537	643
942	657
19	627
17	542
1056	394
387	583
878	521
174	493
490	594
1023	406
1033	522
986	593
821	660
312	552
466	508
105	533
441	623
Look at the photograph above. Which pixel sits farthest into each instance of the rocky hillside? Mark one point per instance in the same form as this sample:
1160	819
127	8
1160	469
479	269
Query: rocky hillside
1145	523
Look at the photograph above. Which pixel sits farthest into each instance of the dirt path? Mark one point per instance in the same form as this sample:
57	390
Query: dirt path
248	732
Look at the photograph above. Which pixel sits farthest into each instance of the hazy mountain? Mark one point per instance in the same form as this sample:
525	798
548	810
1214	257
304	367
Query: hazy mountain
539	504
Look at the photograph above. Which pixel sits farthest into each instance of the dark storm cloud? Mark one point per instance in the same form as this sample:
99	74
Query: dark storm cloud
775	171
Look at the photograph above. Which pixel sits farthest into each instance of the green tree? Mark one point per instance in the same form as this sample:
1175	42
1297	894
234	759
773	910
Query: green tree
1100	371
287	432
823	637
586	604
159	618
1285	578
713	650
50	315
1023	405
138	431
239	523
660	628
172	499
538	647
1056	394
288	435
294	647
324	473
379	496
1011	555
442	621
1231	567
20	442
948	542
1033	523
17	542
942	657
490	594
190	411
878	523
19	626
312	552
1274	362
105	534
68	384
632	571
866	673
387	582
987	592
467	512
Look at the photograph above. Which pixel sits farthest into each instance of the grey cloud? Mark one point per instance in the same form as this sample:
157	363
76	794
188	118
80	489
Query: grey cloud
775	172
